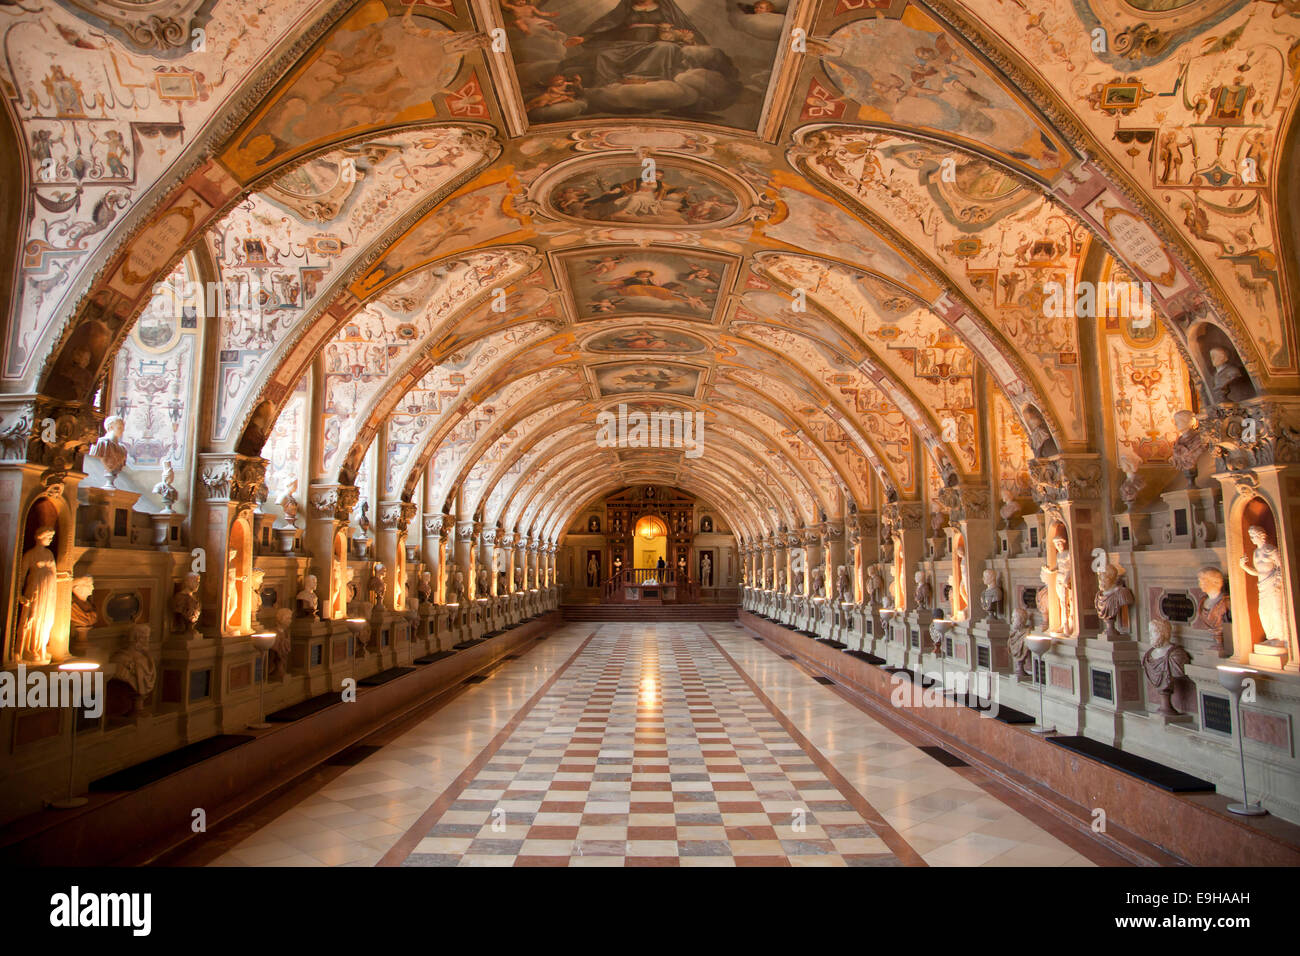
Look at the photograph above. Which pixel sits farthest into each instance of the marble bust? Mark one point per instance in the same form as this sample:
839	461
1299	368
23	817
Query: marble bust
991	596
186	607
1224	374
135	664
83	612
1214	608
1016	646
308	599
110	450
289	502
1188	445
1113	600
378	586
166	488
923	592
1164	663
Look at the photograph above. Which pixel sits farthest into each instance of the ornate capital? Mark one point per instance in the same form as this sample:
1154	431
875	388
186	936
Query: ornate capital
464	530
1266	432
1065	478
236	479
335	502
488	536
45	432
396	515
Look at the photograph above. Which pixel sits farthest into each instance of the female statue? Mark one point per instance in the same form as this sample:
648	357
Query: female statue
39	599
1267	571
1064	584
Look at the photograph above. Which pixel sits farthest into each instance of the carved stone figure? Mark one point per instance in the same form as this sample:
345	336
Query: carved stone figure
255	594
519	577
283	646
83	612
1188	445
1224	375
378	586
1040	436
1113	601
875	583
706	571
232	591
135	665
110	450
1064	580
923	593
843	591
308	599
1267	570
1010	507
38	578
1215	609
166	489
1132	484
1164	663
960	587
991	596
818	588
483	583
289	502
593	572
363	521
425	588
185	605
1016	646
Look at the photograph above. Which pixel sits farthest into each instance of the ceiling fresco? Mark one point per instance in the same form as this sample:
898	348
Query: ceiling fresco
434	240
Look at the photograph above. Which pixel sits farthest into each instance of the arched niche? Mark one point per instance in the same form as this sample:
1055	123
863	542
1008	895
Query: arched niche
338	577
50	596
1254	512
239	578
1205	338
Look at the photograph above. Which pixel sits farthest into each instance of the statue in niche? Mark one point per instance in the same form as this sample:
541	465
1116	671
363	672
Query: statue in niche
425	588
991	596
110	450
166	489
378	586
308	599
706	525
38	577
1214	609
255	595
135	665
960	589
1164	663
232	591
593	572
185	605
289	503
1188	445
83	612
593	525
1113	601
1267	571
843	592
1010	507
283	645
1064	575
706	571
1132	484
923	593
818	582
1225	373
1016	646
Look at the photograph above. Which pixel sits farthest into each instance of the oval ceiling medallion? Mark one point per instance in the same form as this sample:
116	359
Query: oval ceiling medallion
649	192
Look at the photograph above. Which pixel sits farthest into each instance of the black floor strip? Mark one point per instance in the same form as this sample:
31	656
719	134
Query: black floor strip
383	677
353	755
823	680
470	643
1166	778
305	708
133	778
434	658
476	679
945	758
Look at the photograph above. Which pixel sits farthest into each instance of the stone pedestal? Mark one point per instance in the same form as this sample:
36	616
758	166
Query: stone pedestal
1194	520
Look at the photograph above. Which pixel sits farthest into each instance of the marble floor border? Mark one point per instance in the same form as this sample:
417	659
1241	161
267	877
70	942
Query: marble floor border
890	836
408	841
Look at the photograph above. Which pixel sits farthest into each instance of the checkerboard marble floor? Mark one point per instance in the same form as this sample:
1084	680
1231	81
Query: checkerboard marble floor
649	745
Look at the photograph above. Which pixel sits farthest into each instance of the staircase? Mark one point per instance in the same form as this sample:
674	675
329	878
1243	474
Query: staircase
648	613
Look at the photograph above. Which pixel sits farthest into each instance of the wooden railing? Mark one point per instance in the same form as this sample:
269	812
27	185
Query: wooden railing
665	585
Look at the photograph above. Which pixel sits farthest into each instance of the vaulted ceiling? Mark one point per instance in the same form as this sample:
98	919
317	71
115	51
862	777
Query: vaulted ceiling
828	227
